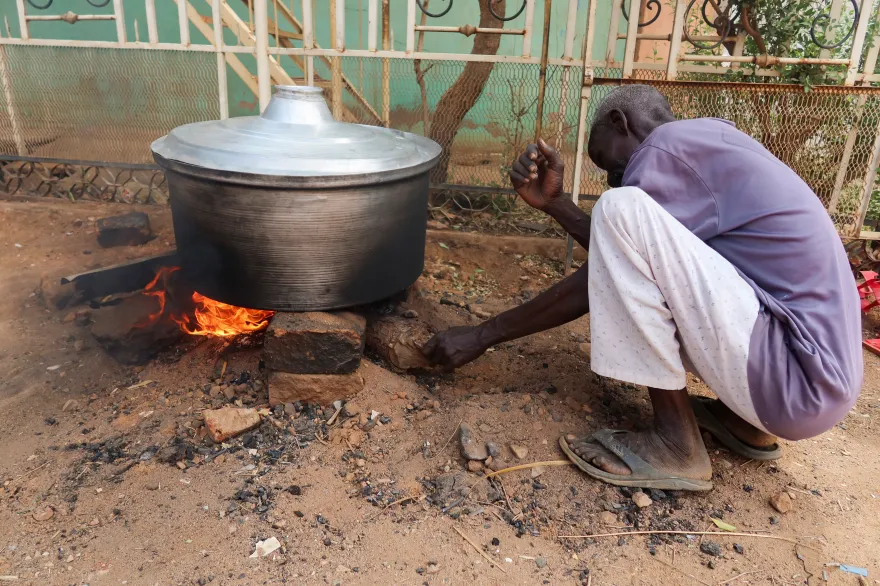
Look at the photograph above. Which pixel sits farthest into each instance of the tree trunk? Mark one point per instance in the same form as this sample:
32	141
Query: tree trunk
463	94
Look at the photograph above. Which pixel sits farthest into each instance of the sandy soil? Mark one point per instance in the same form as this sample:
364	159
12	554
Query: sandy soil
136	497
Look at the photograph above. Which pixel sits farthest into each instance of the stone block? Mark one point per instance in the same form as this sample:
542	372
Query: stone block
320	389
131	229
315	343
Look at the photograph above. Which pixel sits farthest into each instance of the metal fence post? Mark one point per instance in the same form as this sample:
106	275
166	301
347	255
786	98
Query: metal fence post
675	40
261	35
870	177
632	30
222	88
583	108
542	75
152	30
182	23
386	64
858	42
336	7
308	40
6	79
22	20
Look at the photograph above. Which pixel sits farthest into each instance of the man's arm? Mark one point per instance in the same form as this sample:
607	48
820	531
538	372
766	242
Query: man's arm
537	176
565	301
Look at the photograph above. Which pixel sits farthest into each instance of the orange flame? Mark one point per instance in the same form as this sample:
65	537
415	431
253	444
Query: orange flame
210	318
153	289
215	318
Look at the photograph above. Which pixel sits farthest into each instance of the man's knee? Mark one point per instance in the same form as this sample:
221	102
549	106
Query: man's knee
616	206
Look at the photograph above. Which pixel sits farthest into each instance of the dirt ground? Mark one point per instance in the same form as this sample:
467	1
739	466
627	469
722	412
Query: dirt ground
105	479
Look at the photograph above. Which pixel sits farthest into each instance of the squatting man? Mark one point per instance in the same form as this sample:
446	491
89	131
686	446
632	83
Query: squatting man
707	255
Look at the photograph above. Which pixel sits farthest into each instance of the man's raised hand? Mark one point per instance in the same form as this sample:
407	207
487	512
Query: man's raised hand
537	175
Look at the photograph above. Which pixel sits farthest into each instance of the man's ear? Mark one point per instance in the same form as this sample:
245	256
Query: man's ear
618	121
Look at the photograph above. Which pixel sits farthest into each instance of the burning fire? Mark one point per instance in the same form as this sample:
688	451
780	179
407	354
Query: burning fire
210	317
214	318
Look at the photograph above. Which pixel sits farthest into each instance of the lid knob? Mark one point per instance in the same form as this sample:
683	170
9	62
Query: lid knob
298	104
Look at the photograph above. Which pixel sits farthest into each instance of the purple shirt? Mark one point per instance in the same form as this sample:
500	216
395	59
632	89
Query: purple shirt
805	358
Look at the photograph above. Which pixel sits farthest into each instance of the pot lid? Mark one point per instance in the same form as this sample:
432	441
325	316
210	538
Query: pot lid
297	137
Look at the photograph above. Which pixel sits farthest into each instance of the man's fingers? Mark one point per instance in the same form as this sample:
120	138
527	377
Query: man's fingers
517	179
531	151
529	164
525	170
554	161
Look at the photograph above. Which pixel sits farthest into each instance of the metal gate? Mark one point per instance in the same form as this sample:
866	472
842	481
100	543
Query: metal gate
79	109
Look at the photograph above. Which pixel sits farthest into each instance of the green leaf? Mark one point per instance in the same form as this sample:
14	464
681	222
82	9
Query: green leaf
443	245
722	525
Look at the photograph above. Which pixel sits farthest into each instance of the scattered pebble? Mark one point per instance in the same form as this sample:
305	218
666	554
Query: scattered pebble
470	448
642	500
43	513
474	466
519	451
493	449
266	547
711	548
540	562
607	518
781	502
738	548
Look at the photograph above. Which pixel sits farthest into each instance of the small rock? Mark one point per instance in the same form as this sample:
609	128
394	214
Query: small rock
70	405
229	422
774	520
474	466
738	548
152	486
540	562
519	451
328	542
781	502
607	518
410	314
266	547
432	568
43	513
724	465
486	428
493	449
538	470
79	345
711	564
585	348
710	548
642	500
470	448
496	464
351	409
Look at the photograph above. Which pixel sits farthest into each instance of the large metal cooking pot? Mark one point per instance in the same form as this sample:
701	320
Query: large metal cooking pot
294	211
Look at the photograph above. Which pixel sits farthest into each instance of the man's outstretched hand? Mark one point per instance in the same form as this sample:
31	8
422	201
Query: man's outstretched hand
537	175
455	347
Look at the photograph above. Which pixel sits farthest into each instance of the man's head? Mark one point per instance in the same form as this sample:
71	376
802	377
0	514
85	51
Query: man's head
623	120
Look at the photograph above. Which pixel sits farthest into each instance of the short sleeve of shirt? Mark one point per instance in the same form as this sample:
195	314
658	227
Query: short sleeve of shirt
676	187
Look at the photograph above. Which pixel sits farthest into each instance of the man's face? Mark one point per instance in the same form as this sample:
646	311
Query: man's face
610	148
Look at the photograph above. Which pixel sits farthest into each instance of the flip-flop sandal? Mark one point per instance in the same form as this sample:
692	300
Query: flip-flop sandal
713	425
643	474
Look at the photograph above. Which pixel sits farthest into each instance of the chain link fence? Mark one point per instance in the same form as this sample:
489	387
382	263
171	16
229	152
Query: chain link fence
110	104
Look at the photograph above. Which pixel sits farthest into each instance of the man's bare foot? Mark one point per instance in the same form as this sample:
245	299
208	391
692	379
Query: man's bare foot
739	427
673	445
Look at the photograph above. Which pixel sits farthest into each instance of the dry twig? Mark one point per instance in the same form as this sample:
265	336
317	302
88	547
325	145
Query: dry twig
719	533
532	465
479	551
